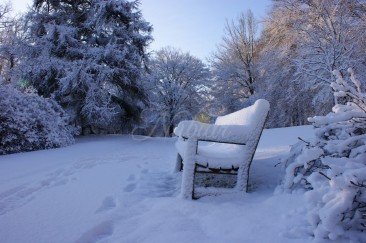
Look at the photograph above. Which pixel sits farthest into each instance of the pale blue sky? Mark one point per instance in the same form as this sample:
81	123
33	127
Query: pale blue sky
194	26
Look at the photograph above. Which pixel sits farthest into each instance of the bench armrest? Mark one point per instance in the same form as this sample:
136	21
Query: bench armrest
235	134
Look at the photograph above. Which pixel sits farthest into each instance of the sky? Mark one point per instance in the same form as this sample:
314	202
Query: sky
194	26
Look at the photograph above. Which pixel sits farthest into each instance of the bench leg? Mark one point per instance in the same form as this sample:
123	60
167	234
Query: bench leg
189	169
187	190
179	163
243	175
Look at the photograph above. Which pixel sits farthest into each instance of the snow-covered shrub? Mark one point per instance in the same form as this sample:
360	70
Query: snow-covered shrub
30	122
333	165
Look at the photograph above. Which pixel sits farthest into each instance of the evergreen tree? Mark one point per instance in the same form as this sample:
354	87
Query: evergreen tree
89	56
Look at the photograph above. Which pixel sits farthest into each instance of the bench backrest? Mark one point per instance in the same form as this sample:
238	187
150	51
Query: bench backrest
251	115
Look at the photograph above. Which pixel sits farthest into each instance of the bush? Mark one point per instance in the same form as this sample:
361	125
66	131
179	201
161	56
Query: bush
30	122
333	166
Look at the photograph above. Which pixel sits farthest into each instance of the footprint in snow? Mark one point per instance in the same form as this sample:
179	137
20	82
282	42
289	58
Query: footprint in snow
130	187
107	204
131	177
159	185
97	233
17	197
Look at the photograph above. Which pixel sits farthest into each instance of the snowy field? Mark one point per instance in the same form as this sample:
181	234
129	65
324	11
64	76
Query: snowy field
122	189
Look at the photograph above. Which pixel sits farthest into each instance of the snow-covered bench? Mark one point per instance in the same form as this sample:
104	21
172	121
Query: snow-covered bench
228	146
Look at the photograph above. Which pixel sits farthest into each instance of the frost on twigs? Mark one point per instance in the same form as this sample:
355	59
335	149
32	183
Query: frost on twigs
333	165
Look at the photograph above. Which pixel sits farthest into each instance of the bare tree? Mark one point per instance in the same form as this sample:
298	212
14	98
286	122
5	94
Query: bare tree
302	43
10	32
176	84
234	63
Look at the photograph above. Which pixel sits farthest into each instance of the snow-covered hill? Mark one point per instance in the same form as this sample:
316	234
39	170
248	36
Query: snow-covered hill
122	189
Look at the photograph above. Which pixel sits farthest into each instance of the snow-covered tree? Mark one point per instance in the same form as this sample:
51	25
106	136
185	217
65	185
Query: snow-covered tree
333	165
234	64
328	35
11	33
275	79
29	122
177	83
301	43
89	56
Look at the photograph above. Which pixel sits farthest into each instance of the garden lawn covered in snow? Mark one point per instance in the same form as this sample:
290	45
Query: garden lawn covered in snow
121	188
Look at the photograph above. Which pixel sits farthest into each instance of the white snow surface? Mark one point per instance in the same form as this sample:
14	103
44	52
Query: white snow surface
121	188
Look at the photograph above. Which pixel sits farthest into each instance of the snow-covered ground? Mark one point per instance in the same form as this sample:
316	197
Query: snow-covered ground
122	189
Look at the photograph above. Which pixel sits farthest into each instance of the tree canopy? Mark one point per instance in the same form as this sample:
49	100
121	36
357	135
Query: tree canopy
88	55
